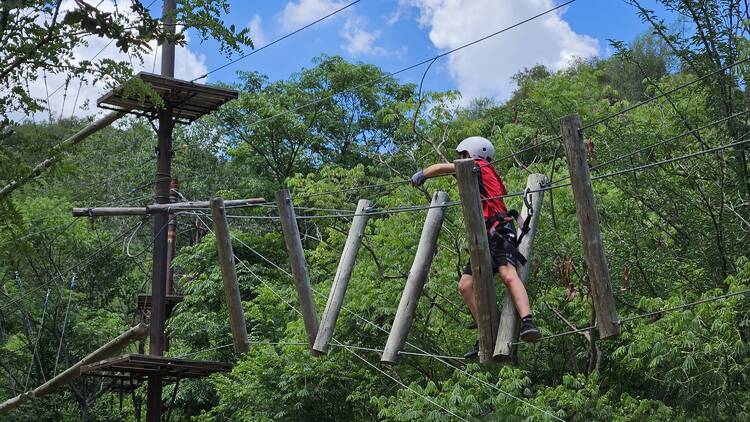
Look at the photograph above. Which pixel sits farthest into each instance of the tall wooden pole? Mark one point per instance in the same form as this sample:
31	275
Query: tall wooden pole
588	219
420	268
507	331
229	275
163	179
341	280
479	250
298	263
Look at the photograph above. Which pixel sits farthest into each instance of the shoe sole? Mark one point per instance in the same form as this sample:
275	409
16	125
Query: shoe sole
531	336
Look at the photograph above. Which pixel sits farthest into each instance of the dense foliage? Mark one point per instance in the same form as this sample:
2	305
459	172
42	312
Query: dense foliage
674	234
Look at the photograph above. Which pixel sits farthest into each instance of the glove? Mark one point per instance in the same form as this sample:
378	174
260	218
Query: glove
419	178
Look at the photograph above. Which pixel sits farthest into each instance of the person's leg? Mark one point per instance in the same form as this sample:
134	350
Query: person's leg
529	331
466	288
513	283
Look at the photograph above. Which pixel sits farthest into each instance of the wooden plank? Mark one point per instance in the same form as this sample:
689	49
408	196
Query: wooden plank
298	263
229	275
420	268
341	280
161	208
507	332
588	219
479	251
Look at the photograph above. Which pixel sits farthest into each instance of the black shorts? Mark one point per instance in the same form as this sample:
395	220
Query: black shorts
499	255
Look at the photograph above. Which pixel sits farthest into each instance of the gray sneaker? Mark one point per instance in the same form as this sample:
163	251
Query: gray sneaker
473	352
529	332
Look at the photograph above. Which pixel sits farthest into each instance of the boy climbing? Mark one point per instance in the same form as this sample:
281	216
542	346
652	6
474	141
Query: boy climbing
501	233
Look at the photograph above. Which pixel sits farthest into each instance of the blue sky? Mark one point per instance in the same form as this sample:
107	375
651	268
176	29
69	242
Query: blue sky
391	34
396	33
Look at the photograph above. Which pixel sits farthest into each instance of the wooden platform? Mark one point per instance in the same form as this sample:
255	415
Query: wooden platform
189	100
141	366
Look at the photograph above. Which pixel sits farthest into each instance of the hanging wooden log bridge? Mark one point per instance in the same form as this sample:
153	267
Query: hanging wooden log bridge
229	275
114	347
509	328
299	264
57	149
479	251
420	268
588	219
341	280
160	208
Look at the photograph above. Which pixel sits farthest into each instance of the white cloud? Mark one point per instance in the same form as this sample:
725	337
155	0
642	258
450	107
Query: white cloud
485	69
394	17
358	40
302	12
256	31
188	65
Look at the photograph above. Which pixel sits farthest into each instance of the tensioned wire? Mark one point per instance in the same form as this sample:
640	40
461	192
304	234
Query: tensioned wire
85	264
646	314
508	195
265	283
589	125
435	356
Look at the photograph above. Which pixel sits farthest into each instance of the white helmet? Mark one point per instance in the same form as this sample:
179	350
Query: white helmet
477	147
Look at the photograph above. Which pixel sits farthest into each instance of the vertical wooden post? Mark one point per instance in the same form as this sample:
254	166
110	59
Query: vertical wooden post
159	271
231	288
479	251
407	307
507	332
588	219
298	263
341	280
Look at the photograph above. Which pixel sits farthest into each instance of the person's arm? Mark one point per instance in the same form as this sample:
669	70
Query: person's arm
439	169
432	171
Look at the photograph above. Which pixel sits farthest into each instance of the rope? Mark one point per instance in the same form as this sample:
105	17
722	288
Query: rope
386	332
298	312
426	398
85	264
644	315
254	342
358	188
681	135
246	55
665	93
508	195
36	344
65	321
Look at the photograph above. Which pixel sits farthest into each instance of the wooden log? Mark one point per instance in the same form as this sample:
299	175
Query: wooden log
298	263
160	208
588	219
481	262
507	331
420	268
229	275
79	136
110	349
16	401
341	280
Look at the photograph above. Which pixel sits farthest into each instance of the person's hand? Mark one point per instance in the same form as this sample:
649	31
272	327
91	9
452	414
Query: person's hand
418	178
